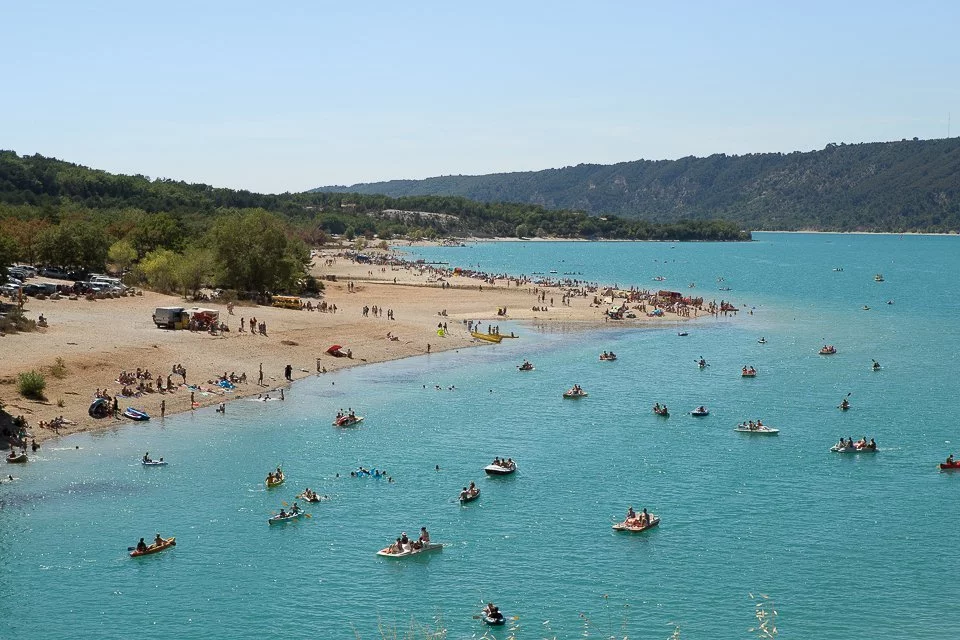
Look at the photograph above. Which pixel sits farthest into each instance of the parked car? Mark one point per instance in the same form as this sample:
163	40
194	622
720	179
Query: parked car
9	289
54	272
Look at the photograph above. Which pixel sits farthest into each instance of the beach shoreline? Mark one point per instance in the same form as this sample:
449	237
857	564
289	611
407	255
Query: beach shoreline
96	340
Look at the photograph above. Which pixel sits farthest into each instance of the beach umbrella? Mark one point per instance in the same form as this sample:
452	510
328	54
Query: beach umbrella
334	348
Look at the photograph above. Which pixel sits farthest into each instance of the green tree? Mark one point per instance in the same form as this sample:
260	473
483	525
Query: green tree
122	254
8	251
195	268
160	269
254	252
153	231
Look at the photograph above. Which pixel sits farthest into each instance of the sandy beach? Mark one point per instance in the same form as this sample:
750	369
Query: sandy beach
99	339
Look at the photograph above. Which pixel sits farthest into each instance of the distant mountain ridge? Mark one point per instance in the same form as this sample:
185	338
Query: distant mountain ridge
911	185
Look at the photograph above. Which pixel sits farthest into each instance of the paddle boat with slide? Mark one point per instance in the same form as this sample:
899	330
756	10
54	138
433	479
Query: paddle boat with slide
756	428
347	421
637	522
575	392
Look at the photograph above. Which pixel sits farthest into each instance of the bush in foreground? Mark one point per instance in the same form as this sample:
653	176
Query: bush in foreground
31	385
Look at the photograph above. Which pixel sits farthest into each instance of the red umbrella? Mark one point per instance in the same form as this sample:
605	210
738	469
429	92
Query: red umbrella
334	348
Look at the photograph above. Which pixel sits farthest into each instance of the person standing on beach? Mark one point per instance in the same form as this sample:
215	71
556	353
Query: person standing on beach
288	372
193	404
163	408
116	407
428	347
260	377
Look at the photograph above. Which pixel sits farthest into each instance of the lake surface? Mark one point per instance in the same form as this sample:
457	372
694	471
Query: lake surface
848	546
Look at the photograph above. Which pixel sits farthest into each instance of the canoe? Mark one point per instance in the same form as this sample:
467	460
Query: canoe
136	414
838	449
574	396
699	414
153	463
406	553
623	526
761	431
470	498
276	483
287	518
347	421
17	459
489	337
497	470
301	496
947	467
155	548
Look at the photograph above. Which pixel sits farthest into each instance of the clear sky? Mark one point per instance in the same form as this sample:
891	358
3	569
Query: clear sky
286	96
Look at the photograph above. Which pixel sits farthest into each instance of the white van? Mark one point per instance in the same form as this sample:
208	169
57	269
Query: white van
108	282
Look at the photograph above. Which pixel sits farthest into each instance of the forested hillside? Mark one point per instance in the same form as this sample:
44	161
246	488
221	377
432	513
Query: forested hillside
912	185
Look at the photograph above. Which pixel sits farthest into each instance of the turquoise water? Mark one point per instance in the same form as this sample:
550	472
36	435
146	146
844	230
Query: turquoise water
848	546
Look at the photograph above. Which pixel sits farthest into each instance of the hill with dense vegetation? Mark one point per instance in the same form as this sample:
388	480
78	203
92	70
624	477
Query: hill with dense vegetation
176	235
912	185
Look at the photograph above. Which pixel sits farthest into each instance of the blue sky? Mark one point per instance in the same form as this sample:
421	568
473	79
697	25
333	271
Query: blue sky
280	97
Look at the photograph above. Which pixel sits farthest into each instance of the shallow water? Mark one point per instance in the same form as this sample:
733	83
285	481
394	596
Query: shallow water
848	546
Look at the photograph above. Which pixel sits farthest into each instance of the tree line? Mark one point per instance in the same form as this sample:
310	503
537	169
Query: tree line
174	235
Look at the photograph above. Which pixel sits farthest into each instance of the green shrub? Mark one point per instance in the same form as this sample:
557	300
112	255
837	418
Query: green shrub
31	385
59	369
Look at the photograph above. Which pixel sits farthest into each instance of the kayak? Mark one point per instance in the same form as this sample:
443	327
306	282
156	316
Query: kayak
276	483
699	414
154	548
762	431
153	463
623	526
470	497
406	553
135	414
16	459
302	496
287	518
947	467
347	421
498	470
839	449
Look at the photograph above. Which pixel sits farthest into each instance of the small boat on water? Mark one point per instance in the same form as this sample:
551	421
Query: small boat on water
748	373
500	468
526	366
700	412
758	429
16	458
844	405
283	516
661	410
608	357
762	341
827	350
950	466
860	446
409	550
156	547
312	497
489	337
469	496
153	463
136	414
634	526
347	421
275	480
878	277
682	333
575	392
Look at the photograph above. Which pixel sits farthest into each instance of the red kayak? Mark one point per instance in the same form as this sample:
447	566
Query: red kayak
946	467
